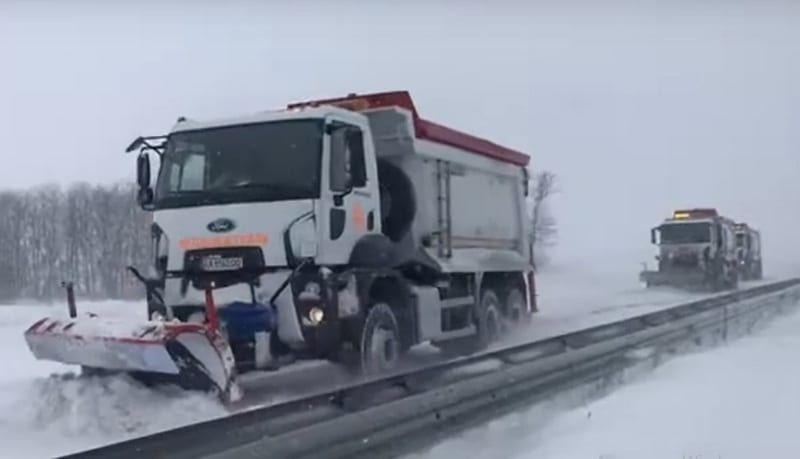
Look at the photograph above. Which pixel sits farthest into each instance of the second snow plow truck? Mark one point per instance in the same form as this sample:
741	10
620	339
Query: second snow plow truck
696	250
348	229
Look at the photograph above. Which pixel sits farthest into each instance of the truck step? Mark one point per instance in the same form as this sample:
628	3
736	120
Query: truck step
458	302
460	333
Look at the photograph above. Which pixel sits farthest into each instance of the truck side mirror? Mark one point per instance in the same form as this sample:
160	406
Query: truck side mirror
653	236
339	177
143	170
145	194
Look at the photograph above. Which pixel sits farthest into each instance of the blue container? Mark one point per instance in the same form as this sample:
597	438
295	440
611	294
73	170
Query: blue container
243	320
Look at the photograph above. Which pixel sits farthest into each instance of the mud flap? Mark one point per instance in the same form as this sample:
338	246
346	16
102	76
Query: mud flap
190	355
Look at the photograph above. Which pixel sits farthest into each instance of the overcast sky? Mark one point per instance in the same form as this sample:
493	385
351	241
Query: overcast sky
638	109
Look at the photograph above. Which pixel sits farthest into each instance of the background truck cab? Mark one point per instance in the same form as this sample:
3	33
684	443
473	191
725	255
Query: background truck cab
696	247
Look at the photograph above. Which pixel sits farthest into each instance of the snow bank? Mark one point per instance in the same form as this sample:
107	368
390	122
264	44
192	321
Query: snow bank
46	411
60	414
737	401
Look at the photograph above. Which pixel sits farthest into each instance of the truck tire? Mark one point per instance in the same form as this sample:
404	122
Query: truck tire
398	201
734	278
514	307
379	346
717	280
488	324
488	320
729	276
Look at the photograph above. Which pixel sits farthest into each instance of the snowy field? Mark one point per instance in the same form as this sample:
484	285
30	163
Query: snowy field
739	401
43	415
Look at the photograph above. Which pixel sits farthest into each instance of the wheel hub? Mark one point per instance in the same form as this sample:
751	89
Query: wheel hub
383	349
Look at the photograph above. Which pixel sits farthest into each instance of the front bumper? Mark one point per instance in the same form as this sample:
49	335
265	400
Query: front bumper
673	277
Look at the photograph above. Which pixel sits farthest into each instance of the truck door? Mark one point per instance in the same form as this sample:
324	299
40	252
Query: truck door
728	243
349	198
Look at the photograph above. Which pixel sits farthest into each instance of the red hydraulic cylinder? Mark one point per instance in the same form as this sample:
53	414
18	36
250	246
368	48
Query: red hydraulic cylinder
211	310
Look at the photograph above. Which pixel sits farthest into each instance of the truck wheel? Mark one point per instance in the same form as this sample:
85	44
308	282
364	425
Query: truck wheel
487	320
514	307
397	200
717	279
731	277
380	340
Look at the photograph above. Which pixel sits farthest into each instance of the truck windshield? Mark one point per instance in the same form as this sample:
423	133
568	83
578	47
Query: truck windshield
685	233
256	162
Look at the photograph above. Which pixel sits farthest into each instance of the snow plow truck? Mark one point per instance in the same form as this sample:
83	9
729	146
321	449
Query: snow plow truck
696	250
348	229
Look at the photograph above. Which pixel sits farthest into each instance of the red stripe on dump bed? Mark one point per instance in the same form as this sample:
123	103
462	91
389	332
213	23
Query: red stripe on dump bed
424	129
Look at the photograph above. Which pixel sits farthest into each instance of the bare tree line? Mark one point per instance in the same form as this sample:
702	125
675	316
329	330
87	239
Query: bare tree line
543	225
86	234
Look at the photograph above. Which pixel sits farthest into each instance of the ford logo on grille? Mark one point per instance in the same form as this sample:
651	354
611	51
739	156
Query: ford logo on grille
221	225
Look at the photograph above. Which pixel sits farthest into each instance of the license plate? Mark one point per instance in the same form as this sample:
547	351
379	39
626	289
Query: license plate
220	263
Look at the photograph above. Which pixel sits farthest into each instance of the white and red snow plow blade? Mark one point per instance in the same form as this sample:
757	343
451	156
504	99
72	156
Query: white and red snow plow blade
191	355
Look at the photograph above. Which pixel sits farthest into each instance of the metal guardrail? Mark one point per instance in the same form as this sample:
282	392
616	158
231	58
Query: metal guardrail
378	415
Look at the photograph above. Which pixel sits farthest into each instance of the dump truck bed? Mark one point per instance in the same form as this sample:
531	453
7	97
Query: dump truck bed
469	193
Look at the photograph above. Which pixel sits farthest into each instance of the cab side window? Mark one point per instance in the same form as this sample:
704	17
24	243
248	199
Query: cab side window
347	163
358	163
339	177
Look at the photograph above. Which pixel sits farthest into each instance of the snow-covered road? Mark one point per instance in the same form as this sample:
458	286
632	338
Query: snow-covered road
739	401
41	416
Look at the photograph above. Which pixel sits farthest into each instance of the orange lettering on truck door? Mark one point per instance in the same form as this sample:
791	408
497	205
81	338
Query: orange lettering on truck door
359	220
